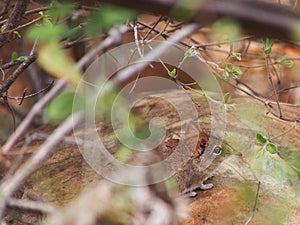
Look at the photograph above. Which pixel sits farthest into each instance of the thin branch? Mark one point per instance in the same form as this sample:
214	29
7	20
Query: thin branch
284	132
130	71
19	100
151	29
14	19
10	110
11	79
22	26
273	86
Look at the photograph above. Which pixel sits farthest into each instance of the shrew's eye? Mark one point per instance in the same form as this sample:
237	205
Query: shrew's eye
217	150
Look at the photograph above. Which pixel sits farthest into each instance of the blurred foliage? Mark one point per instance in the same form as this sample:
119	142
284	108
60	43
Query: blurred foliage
226	29
107	16
60	107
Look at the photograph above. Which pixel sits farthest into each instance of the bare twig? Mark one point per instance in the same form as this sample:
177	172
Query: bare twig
19	100
151	29
284	132
273	86
130	71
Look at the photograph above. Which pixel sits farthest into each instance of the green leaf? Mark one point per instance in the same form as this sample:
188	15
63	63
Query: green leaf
20	59
226	98
60	107
226	75
283	61
237	55
192	51
272	148
16	34
172	73
14	56
236	73
261	139
231	71
229	67
267	45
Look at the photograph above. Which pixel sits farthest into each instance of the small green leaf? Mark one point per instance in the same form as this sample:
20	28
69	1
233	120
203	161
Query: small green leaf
260	138
229	67
21	59
272	148
226	75
231	71
236	73
237	55
268	44
172	73
14	56
226	98
191	52
283	61
16	34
